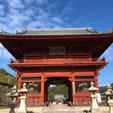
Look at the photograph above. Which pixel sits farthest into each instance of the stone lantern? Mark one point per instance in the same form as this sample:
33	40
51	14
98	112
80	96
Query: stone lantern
23	91
92	90
109	94
13	97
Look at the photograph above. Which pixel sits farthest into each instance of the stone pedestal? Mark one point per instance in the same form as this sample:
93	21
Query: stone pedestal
22	108
12	105
94	105
110	102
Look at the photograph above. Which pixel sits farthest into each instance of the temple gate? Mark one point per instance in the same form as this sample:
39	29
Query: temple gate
57	56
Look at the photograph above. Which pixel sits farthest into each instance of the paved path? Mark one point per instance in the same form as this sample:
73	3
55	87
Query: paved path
58	109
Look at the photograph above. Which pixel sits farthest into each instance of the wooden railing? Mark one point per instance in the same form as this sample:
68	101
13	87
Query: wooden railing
82	98
33	98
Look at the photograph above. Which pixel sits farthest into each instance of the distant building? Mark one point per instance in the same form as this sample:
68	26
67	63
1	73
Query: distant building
59	97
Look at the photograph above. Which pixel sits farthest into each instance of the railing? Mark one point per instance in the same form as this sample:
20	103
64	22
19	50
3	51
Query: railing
33	98
58	61
82	98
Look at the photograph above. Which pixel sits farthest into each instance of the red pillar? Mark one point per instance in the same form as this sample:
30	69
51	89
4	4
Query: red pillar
72	80
19	85
42	88
19	82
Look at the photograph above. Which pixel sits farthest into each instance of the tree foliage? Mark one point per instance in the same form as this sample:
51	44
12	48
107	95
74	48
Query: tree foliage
59	89
7	79
104	88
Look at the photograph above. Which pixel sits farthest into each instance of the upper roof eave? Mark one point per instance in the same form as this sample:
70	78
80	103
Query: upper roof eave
61	33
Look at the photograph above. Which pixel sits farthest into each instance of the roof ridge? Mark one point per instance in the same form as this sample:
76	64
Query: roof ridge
59	29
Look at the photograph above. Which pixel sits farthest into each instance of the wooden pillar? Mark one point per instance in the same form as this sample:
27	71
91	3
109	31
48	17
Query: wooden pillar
42	88
19	81
18	85
72	88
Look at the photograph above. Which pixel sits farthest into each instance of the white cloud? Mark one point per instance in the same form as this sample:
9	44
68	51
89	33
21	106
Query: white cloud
4	20
40	2
22	16
35	24
29	12
15	4
57	20
67	9
28	1
18	19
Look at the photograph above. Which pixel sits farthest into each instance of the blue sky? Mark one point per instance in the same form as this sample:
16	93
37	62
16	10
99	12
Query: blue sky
34	14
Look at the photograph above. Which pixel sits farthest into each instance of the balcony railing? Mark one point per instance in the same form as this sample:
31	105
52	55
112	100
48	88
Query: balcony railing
58	61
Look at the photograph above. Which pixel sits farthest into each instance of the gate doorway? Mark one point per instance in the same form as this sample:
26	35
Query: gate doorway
58	90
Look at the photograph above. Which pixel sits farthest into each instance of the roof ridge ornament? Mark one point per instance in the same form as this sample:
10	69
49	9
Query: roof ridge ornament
3	32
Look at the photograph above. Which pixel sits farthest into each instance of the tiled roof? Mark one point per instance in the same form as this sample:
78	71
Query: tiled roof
57	32
70	31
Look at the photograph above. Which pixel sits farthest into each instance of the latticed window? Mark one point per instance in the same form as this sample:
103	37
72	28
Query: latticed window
84	77
33	86
82	85
57	50
31	78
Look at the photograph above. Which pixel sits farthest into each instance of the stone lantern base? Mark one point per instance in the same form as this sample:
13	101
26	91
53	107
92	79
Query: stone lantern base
110	102
22	108
94	105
